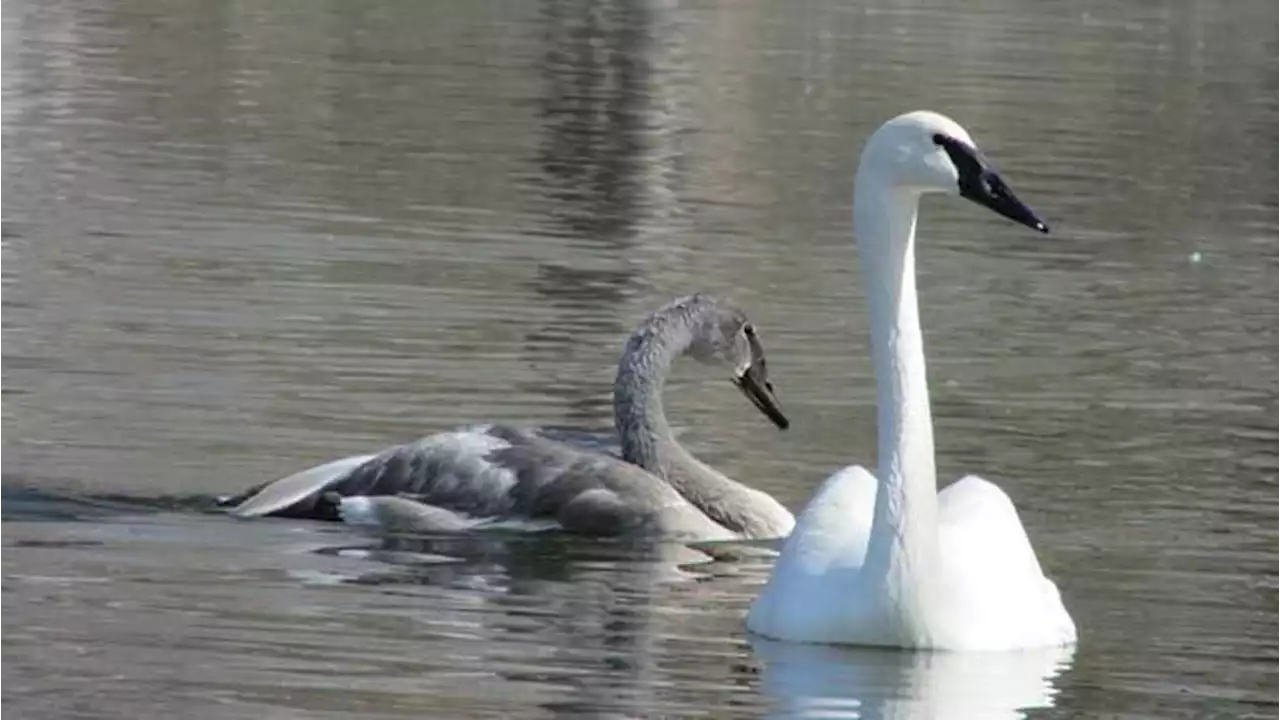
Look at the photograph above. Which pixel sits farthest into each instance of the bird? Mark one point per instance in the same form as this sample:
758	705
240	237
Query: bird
478	475
883	558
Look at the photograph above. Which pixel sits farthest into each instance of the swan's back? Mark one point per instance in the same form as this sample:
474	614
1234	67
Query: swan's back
456	470
491	472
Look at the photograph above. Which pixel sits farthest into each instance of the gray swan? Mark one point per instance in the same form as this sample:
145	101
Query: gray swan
488	474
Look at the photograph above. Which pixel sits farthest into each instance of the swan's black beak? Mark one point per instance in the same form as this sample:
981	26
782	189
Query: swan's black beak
981	183
754	383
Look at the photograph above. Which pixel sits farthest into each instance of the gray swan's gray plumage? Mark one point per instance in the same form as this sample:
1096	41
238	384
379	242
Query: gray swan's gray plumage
483	474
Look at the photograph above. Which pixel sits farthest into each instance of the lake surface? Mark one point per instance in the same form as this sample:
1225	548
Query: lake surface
244	238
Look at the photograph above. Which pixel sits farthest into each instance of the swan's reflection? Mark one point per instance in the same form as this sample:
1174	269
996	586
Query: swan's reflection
830	682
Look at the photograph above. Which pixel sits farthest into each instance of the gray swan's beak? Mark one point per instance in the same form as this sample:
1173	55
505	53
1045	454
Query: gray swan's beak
981	183
754	383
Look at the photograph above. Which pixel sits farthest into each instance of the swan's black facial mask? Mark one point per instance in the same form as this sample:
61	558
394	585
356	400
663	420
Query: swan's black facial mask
754	383
980	183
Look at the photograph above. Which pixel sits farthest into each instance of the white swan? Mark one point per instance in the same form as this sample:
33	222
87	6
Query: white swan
886	559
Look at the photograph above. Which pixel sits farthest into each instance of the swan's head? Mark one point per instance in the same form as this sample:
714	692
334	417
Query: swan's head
718	332
725	335
750	371
925	152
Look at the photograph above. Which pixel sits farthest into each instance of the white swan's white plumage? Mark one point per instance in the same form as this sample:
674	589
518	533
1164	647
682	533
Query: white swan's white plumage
885	559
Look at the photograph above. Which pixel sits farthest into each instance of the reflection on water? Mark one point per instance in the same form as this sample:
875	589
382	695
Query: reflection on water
603	181
816	681
243	239
504	626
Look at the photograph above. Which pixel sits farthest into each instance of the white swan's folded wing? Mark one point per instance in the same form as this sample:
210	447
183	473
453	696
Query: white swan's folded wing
992	572
980	532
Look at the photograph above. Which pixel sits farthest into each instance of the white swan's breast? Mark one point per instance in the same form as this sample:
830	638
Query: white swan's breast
808	593
989	592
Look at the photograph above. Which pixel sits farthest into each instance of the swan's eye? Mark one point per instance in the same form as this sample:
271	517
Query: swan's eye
748	330
939	139
994	187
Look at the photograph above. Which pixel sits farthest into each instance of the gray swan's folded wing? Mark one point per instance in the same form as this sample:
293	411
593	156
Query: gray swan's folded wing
480	471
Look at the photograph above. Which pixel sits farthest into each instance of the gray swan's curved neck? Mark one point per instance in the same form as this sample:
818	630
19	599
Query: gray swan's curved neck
647	440
638	414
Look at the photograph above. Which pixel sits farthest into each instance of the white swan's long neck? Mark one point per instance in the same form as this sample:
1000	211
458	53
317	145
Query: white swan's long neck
904	529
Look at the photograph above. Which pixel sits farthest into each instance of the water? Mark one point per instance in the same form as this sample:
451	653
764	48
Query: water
241	239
